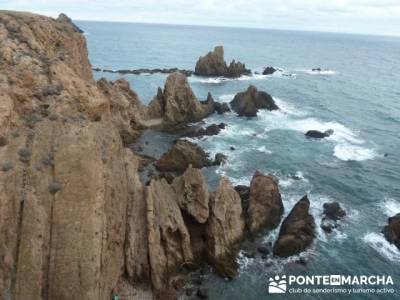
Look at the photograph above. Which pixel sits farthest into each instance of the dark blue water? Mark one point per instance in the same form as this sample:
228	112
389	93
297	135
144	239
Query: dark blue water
357	96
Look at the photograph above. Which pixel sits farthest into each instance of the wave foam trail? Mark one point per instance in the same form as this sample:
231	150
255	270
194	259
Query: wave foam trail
382	246
349	152
390	207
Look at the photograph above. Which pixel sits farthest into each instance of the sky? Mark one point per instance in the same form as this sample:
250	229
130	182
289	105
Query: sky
380	17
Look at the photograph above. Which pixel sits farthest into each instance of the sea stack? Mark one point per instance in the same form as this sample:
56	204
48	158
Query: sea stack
213	64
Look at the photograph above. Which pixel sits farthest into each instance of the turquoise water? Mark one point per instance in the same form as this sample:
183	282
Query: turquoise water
357	96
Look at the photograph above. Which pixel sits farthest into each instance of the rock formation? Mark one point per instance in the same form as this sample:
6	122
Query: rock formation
183	154
333	211
297	230
225	228
269	71
221	108
177	104
249	102
318	134
392	230
75	220
213	64
265	204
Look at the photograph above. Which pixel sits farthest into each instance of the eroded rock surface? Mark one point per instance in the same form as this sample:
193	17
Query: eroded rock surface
249	102
213	64
265	204
297	231
392	230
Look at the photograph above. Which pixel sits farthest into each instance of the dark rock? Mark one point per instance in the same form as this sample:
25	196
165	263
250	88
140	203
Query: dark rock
333	211
195	132
244	191
297	230
249	102
328	227
232	148
213	64
220	159
392	230
316	69
3	141
55	187
202	293
249	254
269	71
24	154
221	108
183	154
318	134
264	249
265	203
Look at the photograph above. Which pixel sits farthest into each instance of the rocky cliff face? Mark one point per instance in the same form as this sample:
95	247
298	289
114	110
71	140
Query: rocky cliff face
75	220
213	64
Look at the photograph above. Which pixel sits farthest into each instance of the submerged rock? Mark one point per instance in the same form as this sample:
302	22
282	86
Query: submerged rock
392	230
265	203
213	64
221	108
297	231
183	154
249	102
318	134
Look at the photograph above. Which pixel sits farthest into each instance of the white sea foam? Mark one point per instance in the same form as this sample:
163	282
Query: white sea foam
349	152
288	108
322	72
390	207
264	150
378	242
226	98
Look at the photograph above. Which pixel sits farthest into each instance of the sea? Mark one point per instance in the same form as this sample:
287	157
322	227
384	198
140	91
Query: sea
356	94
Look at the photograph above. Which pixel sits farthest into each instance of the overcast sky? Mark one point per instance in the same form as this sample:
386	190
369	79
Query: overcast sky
358	16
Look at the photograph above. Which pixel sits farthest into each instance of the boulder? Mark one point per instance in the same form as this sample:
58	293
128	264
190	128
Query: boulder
177	104
213	64
392	230
183	154
210	130
333	211
318	134
297	231
225	228
249	102
265	203
221	108
269	71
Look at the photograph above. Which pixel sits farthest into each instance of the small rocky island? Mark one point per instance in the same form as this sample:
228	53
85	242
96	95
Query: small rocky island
213	64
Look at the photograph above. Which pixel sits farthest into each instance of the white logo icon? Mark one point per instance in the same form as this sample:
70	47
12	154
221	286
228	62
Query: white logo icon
277	285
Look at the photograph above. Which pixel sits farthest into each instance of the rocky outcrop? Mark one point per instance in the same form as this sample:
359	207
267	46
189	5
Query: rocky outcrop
318	134
249	102
63	206
183	154
177	104
195	131
333	211
392	230
221	108
213	64
269	71
145	71
297	230
265	203
225	228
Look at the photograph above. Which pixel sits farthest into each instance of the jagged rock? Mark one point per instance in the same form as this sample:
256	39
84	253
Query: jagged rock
249	102
225	228
192	191
183	154
297	230
168	237
220	159
265	203
222	108
177	104
213	64
318	134
269	71
333	211
65	19
392	230
212	129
